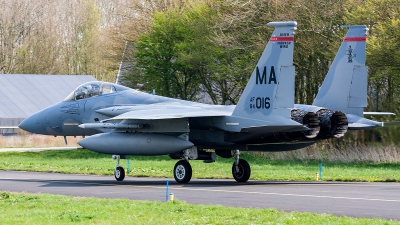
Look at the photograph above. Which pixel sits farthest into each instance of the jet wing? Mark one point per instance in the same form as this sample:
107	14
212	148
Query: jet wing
171	111
156	118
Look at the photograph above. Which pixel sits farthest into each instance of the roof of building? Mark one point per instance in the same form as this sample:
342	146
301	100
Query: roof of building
22	95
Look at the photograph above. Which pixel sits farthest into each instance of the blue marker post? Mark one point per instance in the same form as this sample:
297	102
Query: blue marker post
320	171
166	192
128	169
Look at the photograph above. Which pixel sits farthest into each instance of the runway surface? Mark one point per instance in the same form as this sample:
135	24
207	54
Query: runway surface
371	200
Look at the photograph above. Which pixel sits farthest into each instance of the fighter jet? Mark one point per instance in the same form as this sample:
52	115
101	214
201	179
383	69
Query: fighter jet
124	121
344	90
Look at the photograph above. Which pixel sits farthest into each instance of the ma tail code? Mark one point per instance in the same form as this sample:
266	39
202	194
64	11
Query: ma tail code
262	79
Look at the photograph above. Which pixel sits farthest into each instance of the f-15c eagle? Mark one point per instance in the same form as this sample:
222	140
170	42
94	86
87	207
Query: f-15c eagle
124	121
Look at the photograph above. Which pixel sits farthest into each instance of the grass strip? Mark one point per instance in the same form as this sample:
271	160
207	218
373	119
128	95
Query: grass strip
88	162
22	208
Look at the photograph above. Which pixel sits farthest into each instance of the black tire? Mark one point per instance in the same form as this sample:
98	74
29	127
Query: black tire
182	172
119	173
243	174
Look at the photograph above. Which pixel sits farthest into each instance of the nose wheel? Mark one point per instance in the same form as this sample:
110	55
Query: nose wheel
119	173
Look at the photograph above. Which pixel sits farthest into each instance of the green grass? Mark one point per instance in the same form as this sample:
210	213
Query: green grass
20	208
88	162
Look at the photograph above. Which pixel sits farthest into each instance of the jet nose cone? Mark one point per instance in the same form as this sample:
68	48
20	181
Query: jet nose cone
32	124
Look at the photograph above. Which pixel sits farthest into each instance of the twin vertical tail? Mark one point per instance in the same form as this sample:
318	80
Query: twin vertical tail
345	86
270	90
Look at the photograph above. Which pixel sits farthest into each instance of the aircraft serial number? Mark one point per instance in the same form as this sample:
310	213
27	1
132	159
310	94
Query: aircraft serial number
260	103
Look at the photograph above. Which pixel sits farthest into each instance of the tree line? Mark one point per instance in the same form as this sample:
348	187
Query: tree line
200	48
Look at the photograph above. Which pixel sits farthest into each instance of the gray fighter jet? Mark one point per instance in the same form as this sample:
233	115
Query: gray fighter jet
124	121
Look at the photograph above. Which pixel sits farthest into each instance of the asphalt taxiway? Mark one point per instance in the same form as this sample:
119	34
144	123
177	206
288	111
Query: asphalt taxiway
354	199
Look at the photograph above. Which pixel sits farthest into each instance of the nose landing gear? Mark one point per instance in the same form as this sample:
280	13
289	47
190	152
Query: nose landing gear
119	172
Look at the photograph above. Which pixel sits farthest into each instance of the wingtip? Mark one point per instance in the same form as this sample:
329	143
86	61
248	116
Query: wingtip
282	23
355	26
363	27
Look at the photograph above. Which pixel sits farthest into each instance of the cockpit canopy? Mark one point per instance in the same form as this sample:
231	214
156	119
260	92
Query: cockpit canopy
94	89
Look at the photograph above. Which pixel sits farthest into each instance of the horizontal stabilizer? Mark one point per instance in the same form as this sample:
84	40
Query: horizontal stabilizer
365	126
361	123
380	113
391	124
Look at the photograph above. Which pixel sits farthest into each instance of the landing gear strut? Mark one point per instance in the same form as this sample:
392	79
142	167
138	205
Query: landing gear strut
119	172
240	169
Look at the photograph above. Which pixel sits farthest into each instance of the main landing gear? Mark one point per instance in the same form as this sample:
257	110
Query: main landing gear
240	169
183	170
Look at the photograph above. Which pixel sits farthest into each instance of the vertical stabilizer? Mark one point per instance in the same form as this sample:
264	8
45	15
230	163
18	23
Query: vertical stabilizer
345	86
270	90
